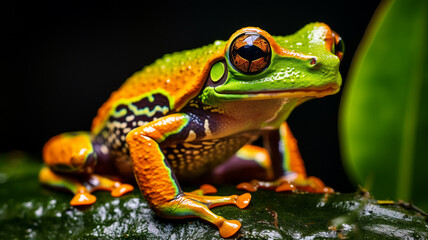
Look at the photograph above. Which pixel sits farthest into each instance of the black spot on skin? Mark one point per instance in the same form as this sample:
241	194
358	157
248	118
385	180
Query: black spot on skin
117	125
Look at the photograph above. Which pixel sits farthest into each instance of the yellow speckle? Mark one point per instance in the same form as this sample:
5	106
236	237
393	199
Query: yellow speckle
208	143
188	145
207	128
191	137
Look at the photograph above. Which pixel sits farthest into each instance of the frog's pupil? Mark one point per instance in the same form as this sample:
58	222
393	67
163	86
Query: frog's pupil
250	52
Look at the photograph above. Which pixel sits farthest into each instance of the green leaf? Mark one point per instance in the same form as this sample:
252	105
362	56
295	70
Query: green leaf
30	211
384	113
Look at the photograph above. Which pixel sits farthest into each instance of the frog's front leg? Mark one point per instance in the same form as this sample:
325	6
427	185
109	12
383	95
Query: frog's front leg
70	160
157	181
286	163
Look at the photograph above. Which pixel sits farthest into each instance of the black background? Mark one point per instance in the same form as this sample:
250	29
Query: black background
61	61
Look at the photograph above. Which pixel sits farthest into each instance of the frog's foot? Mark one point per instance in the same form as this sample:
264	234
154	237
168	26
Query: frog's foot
82	195
198	195
204	189
288	183
117	189
82	189
196	205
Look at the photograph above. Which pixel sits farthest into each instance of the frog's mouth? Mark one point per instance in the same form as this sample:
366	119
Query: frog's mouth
288	93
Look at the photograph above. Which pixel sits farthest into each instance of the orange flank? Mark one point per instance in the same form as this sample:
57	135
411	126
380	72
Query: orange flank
68	150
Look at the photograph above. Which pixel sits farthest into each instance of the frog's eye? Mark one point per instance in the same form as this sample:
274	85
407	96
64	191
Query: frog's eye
338	47
250	53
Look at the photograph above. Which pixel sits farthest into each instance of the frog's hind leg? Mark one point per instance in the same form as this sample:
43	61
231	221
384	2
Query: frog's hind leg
70	160
159	185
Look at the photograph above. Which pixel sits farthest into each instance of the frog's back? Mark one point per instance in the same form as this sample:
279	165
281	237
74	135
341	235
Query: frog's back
167	84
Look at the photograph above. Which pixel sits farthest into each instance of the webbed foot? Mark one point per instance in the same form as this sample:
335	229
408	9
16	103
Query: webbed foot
195	203
82	189
240	201
286	183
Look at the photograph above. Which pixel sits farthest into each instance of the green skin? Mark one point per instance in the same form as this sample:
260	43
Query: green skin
230	109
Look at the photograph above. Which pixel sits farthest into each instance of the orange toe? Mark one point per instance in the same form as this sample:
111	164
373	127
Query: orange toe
83	198
243	200
285	187
315	182
122	189
229	227
247	186
328	190
208	189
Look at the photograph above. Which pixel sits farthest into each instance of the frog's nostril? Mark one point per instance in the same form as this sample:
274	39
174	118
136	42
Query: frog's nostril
313	61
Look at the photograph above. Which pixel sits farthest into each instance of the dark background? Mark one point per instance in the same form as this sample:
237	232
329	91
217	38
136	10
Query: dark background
61	61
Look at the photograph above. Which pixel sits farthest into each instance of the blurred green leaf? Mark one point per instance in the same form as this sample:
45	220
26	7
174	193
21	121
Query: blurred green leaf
384	113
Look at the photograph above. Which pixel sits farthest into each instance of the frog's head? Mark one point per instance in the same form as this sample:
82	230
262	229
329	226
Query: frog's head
257	65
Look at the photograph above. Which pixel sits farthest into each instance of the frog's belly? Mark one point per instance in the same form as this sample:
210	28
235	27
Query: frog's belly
191	160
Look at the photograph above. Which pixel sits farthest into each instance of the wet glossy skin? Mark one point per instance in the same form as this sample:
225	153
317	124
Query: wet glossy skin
191	111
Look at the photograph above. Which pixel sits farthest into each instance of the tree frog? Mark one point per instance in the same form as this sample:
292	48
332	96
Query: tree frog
195	111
